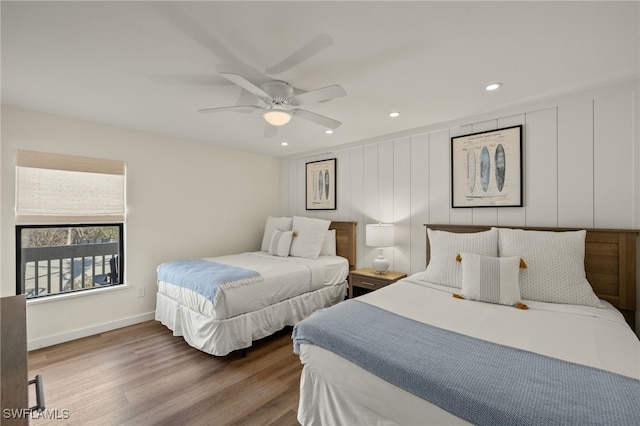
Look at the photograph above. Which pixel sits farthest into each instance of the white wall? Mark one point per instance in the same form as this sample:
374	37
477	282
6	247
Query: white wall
184	199
581	169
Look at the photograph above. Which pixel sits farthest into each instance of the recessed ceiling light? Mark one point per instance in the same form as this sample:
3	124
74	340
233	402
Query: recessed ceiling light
329	132
284	143
493	86
394	114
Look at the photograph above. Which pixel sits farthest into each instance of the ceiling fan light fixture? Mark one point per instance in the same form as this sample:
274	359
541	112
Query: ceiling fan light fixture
276	117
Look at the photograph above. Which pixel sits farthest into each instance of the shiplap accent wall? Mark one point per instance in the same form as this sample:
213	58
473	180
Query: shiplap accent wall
580	169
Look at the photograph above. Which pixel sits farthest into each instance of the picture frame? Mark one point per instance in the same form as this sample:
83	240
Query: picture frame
486	169
320	185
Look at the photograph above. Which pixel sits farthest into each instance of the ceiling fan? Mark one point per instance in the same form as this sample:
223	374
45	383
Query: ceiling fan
281	101
279	98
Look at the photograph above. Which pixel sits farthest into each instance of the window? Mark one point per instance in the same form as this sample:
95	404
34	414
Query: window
55	259
70	223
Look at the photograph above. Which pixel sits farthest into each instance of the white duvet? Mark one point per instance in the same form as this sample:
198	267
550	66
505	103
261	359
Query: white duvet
283	278
336	391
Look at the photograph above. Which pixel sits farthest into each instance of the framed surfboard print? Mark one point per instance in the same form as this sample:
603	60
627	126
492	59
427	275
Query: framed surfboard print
321	185
486	168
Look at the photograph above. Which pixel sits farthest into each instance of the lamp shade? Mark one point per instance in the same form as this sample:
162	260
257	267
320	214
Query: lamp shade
277	117
380	235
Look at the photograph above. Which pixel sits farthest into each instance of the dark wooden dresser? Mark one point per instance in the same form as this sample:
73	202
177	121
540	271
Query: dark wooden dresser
13	361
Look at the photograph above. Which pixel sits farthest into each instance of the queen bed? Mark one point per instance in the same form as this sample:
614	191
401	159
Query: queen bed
224	303
445	347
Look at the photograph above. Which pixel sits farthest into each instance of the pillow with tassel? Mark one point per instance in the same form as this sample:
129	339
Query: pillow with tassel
491	279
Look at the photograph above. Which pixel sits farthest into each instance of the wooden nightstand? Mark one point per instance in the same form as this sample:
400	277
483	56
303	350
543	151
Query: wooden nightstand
366	279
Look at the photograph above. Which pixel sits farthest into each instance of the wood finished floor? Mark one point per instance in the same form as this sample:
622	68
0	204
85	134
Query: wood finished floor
143	375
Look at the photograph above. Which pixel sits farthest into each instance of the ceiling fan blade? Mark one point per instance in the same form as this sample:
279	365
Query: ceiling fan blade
174	14
189	80
235	108
246	71
305	52
319	95
316	118
245	84
270	131
246	98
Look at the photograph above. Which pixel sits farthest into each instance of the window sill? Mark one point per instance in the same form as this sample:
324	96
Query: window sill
65	296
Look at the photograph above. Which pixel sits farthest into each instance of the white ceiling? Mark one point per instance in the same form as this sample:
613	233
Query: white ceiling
151	65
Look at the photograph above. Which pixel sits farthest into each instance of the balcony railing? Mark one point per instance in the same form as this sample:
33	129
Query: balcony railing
58	269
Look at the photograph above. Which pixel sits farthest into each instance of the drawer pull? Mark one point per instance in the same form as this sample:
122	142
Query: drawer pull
369	284
37	381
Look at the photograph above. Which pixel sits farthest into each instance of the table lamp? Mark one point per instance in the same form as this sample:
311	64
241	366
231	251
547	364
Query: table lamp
380	235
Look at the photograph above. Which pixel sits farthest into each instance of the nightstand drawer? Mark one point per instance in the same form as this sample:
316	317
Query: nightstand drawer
366	279
368	282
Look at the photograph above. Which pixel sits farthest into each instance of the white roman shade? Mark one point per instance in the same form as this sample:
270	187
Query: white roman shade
57	188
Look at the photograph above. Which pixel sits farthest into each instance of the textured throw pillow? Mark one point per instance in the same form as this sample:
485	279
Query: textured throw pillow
310	236
491	279
280	243
329	245
555	263
273	223
443	268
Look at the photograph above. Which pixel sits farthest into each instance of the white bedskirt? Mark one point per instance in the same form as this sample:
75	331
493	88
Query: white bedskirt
220	337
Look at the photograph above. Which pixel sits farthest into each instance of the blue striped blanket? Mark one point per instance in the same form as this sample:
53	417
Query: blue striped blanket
476	380
204	276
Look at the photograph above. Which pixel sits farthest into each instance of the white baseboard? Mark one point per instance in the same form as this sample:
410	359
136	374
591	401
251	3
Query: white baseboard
89	331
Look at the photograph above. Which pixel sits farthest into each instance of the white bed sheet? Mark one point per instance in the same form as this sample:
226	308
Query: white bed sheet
336	391
283	278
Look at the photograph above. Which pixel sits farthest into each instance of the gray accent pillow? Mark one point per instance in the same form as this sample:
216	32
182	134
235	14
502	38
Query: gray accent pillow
280	243
491	279
273	223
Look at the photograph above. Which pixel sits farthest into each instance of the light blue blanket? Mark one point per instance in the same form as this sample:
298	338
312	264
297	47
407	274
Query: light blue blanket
204	277
478	381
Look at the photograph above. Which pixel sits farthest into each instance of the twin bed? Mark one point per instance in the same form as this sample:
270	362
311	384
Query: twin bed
258	293
446	346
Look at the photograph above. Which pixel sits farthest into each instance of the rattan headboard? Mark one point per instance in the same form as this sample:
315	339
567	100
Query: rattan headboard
346	240
610	262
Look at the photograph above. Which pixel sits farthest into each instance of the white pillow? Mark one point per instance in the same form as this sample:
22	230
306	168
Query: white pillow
310	236
329	246
491	279
273	223
443	268
555	265
280	243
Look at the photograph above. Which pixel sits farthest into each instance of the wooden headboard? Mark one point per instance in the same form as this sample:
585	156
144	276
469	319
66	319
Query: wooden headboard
610	262
346	241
